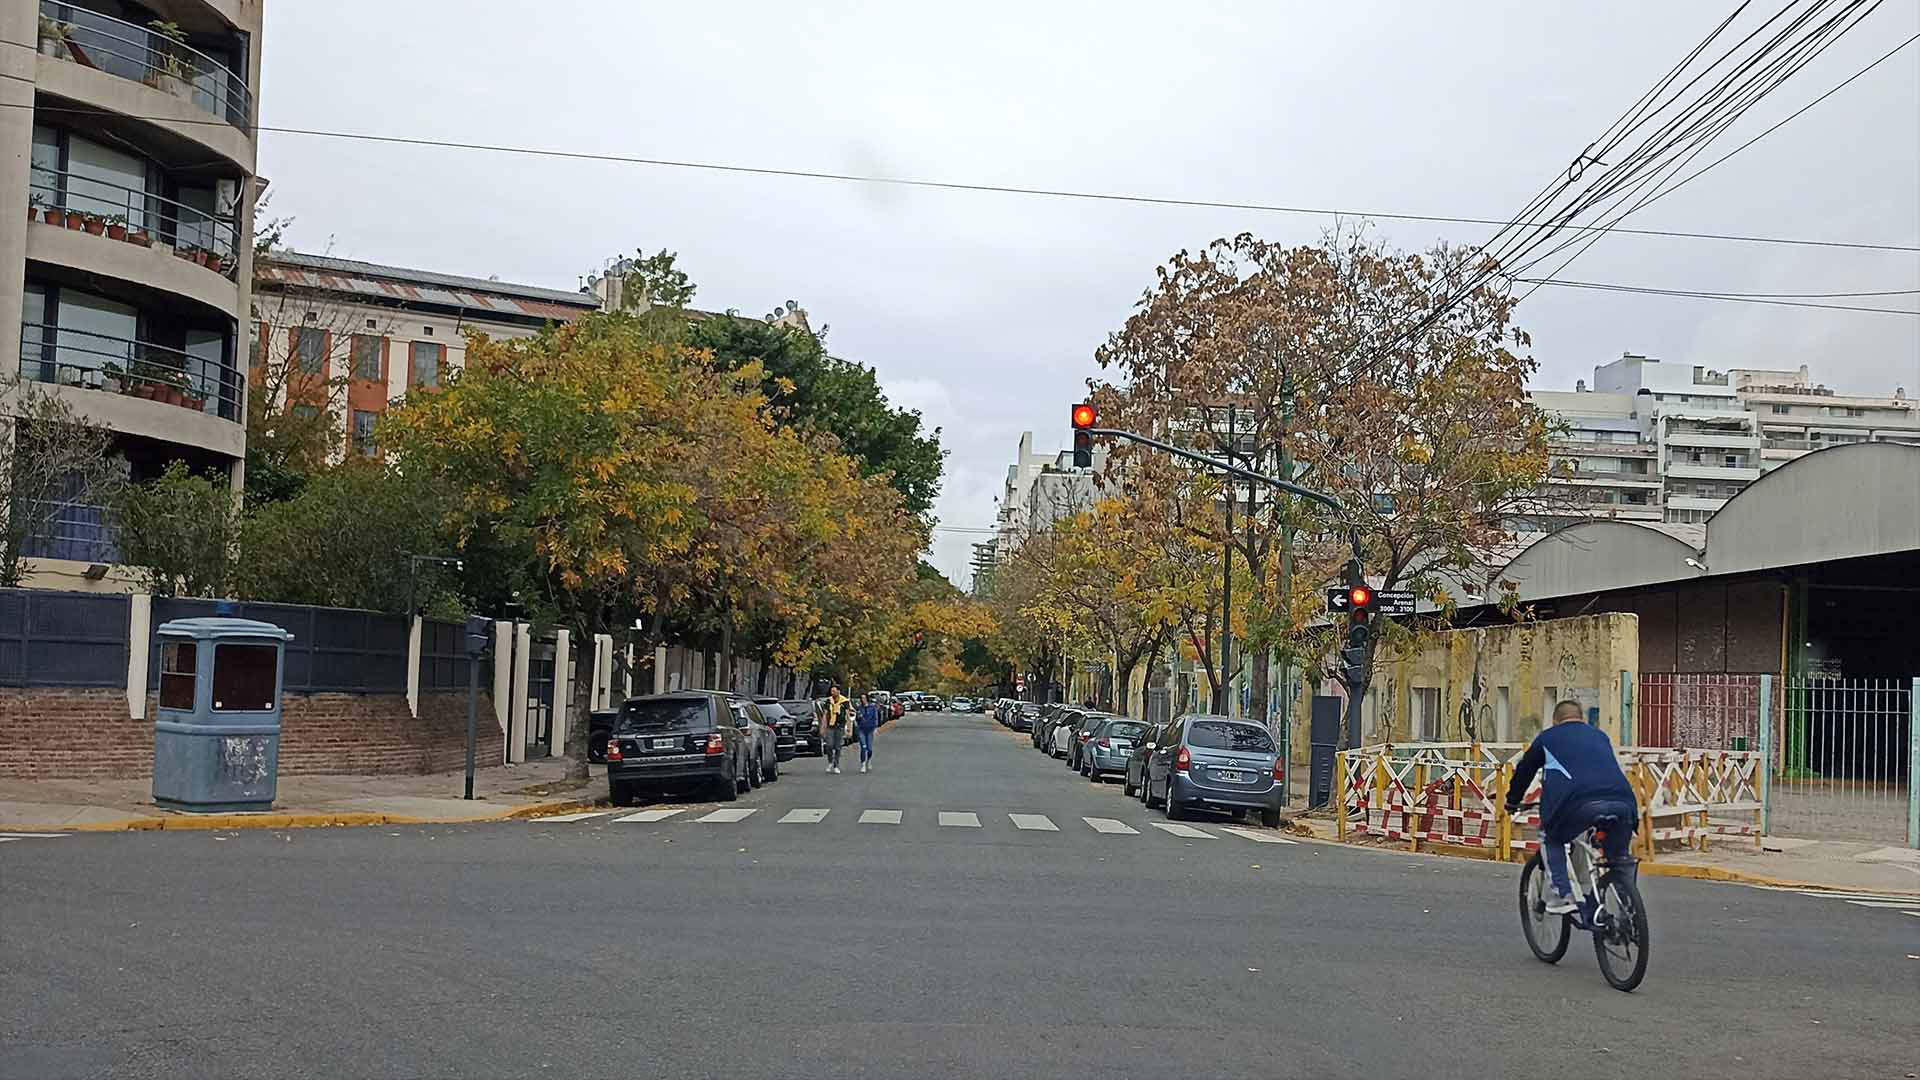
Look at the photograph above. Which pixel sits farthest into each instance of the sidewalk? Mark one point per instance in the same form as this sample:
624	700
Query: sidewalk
93	805
1819	864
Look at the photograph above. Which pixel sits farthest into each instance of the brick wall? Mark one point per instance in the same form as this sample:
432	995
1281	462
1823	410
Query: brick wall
63	733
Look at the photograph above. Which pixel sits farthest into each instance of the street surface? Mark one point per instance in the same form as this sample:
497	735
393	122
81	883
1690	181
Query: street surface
969	909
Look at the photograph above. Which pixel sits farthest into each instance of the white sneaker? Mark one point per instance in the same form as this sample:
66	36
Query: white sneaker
863	766
1560	905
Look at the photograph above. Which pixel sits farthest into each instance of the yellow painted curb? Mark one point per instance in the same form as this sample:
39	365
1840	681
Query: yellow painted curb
304	820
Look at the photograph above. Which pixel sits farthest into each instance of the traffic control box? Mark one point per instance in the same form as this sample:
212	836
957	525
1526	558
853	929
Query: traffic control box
216	733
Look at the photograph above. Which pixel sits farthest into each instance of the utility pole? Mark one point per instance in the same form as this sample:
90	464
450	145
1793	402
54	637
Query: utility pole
1223	695
1286	582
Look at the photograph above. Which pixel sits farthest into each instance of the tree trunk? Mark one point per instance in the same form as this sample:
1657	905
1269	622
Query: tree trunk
1258	691
760	678
1123	682
725	665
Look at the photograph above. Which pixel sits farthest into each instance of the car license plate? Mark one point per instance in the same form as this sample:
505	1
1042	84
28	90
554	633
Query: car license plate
1231	776
665	744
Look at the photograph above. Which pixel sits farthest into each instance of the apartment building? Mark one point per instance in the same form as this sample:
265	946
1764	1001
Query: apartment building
349	337
122	291
1039	490
1663	442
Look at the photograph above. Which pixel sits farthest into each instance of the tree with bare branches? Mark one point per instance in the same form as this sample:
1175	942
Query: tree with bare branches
50	457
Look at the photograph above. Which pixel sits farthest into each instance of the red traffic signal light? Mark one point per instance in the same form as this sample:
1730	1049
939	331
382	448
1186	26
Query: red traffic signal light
1359	596
1085	415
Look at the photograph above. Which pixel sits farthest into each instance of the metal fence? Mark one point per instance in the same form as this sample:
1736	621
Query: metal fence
62	639
444	662
1699	712
333	649
1843	756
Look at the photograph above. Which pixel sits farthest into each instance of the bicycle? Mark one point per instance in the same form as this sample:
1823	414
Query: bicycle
1610	909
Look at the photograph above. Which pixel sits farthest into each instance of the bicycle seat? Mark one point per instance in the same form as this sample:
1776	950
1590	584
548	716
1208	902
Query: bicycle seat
1606	821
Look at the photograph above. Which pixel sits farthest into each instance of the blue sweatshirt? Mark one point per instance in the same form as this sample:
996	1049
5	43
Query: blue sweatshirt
868	717
1575	763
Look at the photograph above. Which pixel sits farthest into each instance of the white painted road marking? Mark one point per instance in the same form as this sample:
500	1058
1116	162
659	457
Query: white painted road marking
963	819
1109	825
1178	829
1258	837
575	817
1036	822
879	817
729	814
1896	904
653	815
803	817
6	836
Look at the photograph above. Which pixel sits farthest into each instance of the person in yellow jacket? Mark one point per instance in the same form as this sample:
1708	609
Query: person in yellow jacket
833	730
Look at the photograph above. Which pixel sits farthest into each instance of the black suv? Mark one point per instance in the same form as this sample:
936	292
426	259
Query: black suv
806	732
683	742
786	726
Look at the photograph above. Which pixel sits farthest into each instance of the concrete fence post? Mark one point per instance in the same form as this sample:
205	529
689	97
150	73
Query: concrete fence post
562	691
1913	764
1766	754
517	712
659	669
139	646
414	630
503	680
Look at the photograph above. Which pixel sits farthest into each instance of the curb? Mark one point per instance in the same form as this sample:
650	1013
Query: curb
305	820
1647	869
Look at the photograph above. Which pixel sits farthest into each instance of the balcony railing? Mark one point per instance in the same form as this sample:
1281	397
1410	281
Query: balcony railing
73	530
138	217
145	55
69	357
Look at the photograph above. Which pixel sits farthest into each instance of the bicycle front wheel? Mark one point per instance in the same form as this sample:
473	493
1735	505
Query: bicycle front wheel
1546	934
1621	943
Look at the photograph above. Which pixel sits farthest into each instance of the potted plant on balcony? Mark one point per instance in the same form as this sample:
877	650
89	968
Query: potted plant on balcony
76	219
113	378
166	70
210	259
137	234
33	207
116	227
55	215
95	224
53	38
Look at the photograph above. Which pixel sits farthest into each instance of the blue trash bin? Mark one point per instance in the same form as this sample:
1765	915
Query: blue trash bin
216	733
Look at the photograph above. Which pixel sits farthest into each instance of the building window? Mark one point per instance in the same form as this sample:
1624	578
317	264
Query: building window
425	357
363	422
1733	461
305	412
1782	410
1426	714
366	357
310	346
1852	411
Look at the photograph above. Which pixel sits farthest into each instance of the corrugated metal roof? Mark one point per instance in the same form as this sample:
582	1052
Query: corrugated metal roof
392	283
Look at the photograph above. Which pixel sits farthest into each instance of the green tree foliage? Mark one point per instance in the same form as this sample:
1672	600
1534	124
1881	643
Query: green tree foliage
53	455
178	532
345	541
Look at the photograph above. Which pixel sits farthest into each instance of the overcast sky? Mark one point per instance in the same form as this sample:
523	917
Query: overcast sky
983	310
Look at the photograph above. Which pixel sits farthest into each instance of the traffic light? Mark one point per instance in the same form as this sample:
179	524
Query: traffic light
1084	417
1359	603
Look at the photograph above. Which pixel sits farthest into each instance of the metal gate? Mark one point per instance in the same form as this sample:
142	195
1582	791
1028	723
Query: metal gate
1843	751
540	683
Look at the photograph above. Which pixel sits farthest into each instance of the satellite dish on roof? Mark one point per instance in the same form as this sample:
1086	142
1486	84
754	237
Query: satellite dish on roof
777	312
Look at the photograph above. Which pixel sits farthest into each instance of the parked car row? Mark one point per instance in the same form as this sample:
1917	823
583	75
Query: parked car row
695	741
1196	762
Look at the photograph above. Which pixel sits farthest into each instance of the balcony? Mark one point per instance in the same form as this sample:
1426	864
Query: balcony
1696	502
1742	440
146	54
1702	470
119	214
139	369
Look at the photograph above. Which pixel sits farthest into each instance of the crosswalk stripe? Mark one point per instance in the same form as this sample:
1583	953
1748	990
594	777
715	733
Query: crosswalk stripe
658	814
879	817
802	817
1035	822
962	819
1824	895
1258	837
1915	914
1882	903
1109	825
728	814
31	835
574	817
1178	829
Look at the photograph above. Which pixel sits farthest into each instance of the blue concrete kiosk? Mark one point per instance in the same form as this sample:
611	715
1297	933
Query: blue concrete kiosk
216	737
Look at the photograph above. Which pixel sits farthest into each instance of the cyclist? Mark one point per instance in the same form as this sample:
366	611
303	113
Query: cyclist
1580	780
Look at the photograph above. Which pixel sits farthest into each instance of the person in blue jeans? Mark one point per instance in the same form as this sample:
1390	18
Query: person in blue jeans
1580	780
865	723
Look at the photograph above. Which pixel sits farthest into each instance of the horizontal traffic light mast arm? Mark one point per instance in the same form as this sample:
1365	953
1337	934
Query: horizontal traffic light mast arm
1320	497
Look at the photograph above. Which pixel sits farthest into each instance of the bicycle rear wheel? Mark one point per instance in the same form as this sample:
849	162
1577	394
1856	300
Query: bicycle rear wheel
1547	935
1622	944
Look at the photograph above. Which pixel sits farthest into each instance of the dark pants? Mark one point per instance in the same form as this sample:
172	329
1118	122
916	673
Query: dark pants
831	744
1576	820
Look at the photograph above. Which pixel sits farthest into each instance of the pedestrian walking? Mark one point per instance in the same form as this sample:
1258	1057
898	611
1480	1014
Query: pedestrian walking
866	722
837	723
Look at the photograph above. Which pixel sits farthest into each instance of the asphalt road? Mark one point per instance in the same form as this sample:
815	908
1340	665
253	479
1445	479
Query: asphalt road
837	948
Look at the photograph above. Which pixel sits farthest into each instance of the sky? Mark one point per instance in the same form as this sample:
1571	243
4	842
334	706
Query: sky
982	310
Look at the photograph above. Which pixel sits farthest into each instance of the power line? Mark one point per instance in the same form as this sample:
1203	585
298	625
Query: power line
1743	298
952	185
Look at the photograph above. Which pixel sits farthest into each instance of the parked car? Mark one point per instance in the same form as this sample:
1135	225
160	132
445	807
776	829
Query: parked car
1214	763
680	742
1043	724
960	705
1023	716
1082	734
1133	779
1109	747
1064	724
806	730
766	750
785	739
